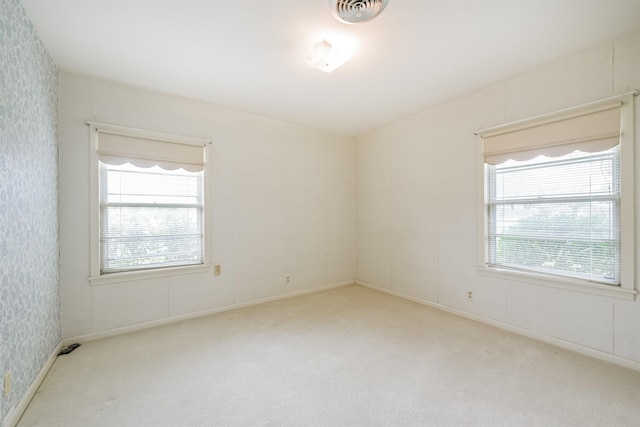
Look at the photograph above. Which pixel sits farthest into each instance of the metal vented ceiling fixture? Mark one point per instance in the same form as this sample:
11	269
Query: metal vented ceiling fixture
356	11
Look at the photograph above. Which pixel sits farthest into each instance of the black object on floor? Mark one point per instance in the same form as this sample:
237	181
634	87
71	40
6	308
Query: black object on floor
69	349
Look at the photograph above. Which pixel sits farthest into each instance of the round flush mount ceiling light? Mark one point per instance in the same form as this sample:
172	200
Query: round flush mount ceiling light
356	11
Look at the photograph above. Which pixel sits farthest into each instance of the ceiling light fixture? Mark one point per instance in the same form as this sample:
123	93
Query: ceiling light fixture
326	57
356	11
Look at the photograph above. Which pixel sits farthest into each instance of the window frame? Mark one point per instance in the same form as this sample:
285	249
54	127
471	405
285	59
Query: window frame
96	277
627	288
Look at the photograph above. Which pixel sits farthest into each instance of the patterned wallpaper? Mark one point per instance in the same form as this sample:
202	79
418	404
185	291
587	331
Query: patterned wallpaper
29	292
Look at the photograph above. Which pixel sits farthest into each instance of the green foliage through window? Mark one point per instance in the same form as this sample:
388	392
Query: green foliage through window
556	215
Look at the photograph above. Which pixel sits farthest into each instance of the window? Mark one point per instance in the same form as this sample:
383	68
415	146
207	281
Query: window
148	203
558	197
556	215
149	218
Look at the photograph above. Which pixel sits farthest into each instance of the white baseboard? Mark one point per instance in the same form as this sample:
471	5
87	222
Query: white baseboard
172	319
587	351
14	415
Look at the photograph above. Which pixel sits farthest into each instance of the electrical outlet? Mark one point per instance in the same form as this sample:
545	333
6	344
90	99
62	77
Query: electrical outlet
469	296
7	384
217	270
287	279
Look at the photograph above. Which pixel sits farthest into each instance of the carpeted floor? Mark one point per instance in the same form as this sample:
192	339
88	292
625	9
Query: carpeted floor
345	357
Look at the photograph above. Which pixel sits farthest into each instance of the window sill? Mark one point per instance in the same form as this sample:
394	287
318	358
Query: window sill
560	283
130	276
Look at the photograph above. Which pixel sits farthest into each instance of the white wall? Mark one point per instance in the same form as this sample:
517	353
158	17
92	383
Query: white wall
283	202
417	203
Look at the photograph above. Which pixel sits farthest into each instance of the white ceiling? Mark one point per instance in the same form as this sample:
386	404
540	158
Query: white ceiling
250	55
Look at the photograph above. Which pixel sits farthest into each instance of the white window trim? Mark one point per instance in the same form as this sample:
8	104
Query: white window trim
94	181
627	289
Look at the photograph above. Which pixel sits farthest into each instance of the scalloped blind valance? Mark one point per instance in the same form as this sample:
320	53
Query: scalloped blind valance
593	130
117	149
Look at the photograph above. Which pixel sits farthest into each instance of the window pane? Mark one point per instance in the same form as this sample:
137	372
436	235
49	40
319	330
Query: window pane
150	218
576	174
556	215
130	184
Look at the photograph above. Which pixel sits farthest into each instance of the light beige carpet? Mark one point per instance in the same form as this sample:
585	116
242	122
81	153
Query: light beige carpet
344	357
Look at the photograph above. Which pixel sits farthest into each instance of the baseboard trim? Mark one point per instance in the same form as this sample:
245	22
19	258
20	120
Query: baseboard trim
14	416
173	319
587	351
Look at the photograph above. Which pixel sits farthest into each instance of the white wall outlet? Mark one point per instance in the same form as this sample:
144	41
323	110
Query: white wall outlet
287	279
469	296
217	270
7	384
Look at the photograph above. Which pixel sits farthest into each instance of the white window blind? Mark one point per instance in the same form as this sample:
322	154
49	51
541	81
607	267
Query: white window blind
556	215
149	218
116	149
593	130
151	201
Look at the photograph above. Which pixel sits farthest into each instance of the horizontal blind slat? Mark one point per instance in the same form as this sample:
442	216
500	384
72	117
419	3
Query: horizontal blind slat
551	199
